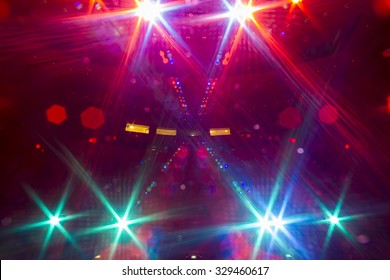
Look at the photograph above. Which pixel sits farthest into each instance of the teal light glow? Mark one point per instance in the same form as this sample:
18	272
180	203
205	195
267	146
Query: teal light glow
53	219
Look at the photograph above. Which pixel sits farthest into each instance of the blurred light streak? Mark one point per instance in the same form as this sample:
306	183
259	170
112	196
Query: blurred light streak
178	44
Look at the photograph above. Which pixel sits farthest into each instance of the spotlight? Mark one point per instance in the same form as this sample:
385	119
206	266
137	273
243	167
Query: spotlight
149	10
264	223
278	223
54	221
122	224
334	220
240	12
296	1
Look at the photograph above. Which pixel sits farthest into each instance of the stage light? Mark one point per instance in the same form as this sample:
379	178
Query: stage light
334	220
149	10
122	224
130	127
240	12
166	131
264	223
54	221
278	223
219	131
296	1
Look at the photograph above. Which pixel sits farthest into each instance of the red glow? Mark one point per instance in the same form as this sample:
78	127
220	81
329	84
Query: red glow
347	146
201	153
92	140
293	140
382	7
290	118
388	104
182	152
4	9
56	114
386	53
328	114
37	146
92	118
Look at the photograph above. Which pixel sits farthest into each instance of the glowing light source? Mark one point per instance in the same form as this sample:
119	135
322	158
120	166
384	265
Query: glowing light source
241	12
219	131
334	220
264	223
149	10
275	223
54	221
296	1
278	223
166	131
130	127
122	224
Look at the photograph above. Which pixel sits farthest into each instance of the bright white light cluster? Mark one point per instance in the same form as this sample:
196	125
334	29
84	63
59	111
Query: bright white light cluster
276	223
240	12
149	10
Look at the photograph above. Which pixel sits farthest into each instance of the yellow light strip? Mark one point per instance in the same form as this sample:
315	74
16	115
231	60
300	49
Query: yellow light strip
219	131
130	127
166	131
